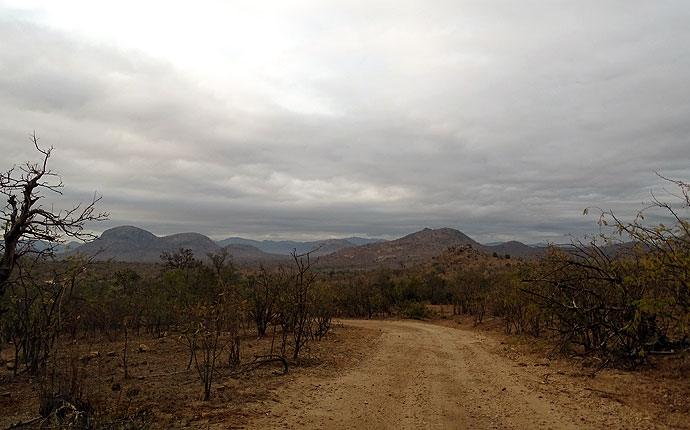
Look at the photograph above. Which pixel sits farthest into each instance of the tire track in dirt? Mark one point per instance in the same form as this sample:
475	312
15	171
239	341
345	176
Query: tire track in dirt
424	376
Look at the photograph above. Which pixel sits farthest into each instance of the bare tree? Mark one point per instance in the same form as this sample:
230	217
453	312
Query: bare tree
264	289
25	221
296	306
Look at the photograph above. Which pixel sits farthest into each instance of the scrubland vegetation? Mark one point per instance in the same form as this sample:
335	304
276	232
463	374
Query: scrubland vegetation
208	306
618	299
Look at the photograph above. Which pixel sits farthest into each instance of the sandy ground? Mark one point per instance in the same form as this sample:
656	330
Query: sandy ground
424	376
374	374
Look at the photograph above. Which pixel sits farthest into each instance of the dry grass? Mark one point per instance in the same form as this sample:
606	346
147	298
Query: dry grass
161	392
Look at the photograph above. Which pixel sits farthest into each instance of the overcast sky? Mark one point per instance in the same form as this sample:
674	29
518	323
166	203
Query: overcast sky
311	119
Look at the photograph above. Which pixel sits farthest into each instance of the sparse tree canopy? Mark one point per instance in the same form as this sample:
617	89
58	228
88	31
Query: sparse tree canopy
25	221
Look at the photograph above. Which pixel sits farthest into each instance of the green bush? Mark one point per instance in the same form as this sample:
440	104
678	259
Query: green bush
416	310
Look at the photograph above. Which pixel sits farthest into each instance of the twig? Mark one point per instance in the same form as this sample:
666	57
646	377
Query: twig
26	423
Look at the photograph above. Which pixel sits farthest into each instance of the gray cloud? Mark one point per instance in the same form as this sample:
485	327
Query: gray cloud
380	119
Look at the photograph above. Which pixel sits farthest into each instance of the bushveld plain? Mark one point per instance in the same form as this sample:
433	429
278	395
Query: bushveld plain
452	335
344	214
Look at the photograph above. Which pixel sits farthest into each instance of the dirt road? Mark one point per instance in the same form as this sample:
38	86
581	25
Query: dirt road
424	376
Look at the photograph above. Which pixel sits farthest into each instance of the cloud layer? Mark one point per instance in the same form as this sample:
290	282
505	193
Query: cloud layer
352	118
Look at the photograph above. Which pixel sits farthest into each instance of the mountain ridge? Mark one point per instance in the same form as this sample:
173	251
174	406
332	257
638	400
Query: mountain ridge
418	247
133	244
287	246
413	248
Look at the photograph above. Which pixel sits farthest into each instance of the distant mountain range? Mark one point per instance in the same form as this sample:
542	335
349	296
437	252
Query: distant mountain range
287	246
133	244
513	249
57	248
416	248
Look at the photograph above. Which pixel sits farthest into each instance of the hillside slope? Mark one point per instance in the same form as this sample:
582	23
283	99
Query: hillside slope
514	249
133	244
417	248
413	248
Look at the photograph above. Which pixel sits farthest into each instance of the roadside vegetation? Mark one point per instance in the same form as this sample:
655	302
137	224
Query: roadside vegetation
209	306
617	299
50	309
